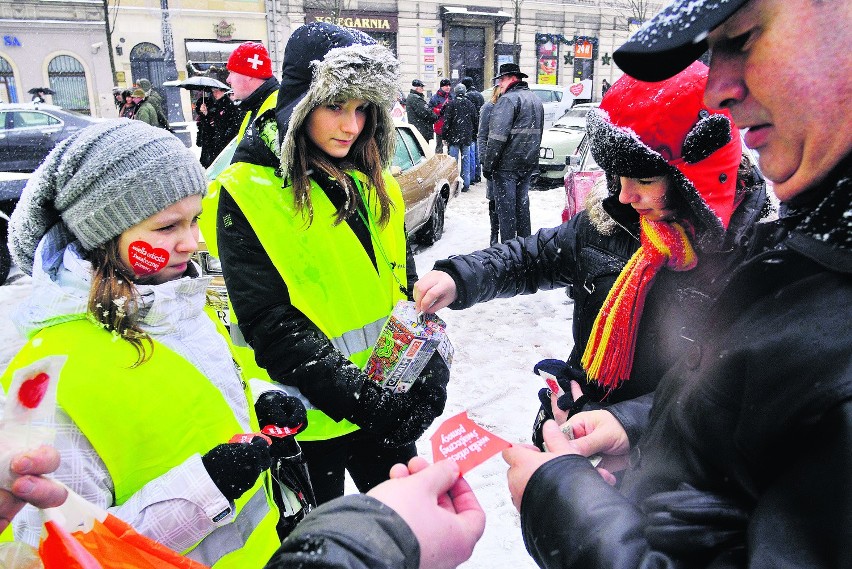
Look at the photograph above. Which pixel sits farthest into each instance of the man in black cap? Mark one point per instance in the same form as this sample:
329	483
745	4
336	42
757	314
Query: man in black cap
511	151
419	113
743	459
437	103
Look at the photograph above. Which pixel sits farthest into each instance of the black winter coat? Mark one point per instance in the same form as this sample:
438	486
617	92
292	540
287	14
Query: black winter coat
352	532
419	114
514	131
461	121
578	255
756	418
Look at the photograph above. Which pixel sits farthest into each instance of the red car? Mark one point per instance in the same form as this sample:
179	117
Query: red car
583	173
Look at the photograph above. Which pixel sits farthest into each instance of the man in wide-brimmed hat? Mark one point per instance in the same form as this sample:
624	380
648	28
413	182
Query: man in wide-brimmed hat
511	152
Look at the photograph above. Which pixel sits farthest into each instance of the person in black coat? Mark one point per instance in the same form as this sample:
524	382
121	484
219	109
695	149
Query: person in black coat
478	100
461	123
218	122
589	252
744	460
418	111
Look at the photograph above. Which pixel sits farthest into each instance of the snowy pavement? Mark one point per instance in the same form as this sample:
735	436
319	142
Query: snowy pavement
496	343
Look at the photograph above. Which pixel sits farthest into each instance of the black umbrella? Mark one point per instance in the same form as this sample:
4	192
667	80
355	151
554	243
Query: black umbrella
45	90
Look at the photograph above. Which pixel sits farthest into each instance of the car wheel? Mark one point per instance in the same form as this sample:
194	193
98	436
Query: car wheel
434	228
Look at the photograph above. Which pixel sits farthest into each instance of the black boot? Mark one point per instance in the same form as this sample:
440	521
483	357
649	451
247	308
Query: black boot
495	223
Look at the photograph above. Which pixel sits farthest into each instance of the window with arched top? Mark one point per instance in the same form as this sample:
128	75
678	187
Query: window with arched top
8	88
68	80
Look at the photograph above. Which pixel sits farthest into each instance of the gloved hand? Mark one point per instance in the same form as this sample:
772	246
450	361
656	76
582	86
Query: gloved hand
691	521
234	467
429	396
400	417
564	374
288	413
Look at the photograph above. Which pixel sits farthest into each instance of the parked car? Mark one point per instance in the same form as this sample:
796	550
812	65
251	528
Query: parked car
11	186
31	130
583	173
559	142
554	98
428	181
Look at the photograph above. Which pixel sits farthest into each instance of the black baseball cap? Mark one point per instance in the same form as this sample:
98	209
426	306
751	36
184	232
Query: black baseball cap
673	39
417	83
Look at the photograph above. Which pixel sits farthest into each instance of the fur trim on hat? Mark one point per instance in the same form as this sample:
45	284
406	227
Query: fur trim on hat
366	71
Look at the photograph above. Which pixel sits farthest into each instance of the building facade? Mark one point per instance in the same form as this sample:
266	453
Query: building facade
66	43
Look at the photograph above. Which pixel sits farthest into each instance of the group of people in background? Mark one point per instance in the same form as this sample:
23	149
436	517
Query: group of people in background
711	369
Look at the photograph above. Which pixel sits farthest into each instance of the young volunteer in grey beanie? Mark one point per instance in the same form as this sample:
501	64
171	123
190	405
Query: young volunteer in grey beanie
149	395
100	181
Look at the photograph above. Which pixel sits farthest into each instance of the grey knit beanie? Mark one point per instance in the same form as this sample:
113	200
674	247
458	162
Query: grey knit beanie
101	181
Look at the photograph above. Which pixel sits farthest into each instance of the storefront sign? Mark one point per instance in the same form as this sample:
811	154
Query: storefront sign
365	21
583	50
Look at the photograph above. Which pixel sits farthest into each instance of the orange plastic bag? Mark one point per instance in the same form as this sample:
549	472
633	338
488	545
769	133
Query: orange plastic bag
79	535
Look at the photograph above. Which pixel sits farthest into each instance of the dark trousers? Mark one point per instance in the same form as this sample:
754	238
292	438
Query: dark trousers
360	453
511	192
439	144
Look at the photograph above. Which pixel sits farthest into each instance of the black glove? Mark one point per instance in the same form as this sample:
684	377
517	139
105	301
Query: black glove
694	522
399	417
486	174
234	467
275	408
429	395
564	374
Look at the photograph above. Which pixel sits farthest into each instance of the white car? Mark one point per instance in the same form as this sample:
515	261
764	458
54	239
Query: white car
555	99
559	142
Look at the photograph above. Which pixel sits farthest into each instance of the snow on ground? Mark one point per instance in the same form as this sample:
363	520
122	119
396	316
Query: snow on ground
496	343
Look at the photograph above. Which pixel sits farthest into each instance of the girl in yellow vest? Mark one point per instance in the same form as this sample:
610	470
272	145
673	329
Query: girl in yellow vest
314	253
149	396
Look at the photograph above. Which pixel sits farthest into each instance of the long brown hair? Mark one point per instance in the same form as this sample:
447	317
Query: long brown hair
114	300
364	156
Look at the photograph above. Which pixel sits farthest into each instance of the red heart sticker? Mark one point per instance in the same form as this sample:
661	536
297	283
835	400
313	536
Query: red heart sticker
146	259
465	442
576	89
32	390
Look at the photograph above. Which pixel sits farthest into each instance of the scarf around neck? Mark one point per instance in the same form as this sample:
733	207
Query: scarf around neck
608	357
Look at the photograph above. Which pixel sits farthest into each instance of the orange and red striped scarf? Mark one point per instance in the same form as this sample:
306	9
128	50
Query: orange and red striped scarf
608	357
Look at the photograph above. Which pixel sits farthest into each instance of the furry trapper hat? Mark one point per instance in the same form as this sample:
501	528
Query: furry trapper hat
650	129
324	63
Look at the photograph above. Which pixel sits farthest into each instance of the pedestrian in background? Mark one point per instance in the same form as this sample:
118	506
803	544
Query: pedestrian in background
156	100
481	140
436	103
218	121
461	123
511	153
143	109
419	113
478	100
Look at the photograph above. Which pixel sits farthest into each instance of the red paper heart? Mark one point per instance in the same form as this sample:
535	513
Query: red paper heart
460	439
32	390
146	259
576	89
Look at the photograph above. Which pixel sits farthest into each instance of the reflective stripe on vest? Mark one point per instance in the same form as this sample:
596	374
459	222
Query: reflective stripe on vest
329	276
143	421
210	202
